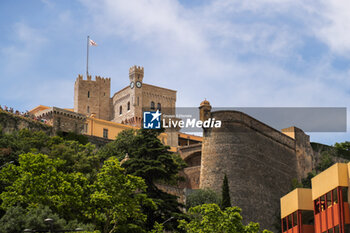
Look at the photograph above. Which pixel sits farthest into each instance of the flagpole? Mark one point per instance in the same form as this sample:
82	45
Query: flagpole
87	57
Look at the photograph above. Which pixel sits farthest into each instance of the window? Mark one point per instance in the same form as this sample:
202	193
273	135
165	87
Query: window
336	229
159	106
152	105
346	228
88	94
120	110
290	222
317	206
345	194
138	101
295	219
284	224
329	199
323	202
335	196
105	133
88	109
128	105
307	217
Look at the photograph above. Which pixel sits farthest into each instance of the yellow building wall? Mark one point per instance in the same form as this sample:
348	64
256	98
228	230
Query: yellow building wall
38	109
336	175
96	126
298	199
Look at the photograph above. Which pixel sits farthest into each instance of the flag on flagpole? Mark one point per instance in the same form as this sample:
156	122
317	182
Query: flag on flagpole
92	43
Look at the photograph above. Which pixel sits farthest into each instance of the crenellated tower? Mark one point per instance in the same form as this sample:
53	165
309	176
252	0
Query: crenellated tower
93	96
136	74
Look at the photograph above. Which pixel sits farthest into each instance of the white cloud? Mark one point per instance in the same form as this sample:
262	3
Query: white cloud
335	25
161	22
200	49
27	42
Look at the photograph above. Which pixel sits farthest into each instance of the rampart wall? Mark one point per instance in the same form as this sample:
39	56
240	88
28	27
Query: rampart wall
10	123
258	160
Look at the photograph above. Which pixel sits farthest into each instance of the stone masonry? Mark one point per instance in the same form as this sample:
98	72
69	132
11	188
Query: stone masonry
259	161
127	105
63	120
93	97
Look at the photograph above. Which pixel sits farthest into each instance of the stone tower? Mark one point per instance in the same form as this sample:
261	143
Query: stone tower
204	110
127	103
136	74
259	161
93	96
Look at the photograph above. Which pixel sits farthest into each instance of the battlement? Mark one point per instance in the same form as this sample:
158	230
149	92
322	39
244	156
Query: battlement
136	69
102	79
97	79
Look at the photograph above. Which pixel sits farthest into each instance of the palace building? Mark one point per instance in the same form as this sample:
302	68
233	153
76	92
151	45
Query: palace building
251	153
97	113
323	208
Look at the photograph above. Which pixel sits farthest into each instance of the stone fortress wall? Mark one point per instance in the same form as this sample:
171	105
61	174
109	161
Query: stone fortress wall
259	161
303	151
10	123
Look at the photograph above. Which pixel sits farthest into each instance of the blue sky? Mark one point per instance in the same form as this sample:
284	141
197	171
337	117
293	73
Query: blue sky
258	53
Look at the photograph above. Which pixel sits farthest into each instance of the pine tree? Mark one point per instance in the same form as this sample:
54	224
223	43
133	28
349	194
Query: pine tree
150	159
226	200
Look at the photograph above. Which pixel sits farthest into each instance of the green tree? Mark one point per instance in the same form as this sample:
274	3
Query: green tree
13	221
151	160
306	182
202	196
17	219
158	228
325	161
70	136
117	198
296	184
209	218
23	141
343	149
225	200
77	157
38	180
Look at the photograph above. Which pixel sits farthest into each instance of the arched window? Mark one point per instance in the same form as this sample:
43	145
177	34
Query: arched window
152	105
88	94
159	106
88	109
120	110
128	106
